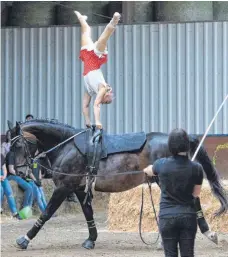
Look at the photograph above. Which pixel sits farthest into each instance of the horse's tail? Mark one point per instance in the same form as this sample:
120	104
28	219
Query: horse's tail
212	175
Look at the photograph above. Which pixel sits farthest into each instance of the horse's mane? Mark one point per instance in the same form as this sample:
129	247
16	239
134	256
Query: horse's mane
50	121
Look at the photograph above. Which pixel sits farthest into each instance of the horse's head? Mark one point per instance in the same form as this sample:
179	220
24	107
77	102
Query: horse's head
23	144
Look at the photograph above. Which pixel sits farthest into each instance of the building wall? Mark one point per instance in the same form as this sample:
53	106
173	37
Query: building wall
48	13
163	76
184	11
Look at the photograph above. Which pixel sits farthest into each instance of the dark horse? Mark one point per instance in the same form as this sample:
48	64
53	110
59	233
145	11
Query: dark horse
68	165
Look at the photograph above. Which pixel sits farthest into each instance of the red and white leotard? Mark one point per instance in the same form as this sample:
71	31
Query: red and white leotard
92	73
91	60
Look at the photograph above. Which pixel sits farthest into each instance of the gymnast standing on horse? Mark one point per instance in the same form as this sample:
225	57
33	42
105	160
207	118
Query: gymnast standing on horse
94	55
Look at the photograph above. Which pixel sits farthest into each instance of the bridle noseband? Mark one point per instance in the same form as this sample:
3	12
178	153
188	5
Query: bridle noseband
28	156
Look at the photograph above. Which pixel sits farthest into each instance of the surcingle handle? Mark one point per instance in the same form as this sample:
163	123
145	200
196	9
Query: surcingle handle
93	160
94	152
97	136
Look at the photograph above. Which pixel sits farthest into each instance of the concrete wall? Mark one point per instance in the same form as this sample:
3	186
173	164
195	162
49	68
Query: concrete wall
220	11
184	11
35	13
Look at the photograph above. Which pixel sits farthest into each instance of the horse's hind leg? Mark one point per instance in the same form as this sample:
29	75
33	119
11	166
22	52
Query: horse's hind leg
56	200
88	212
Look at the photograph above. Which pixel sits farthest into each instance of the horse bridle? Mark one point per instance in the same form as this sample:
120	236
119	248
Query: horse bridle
28	156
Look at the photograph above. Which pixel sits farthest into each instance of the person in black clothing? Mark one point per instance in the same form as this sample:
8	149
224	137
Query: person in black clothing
29	117
180	181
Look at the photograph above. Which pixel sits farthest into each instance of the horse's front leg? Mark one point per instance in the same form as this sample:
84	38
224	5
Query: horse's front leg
56	200
88	212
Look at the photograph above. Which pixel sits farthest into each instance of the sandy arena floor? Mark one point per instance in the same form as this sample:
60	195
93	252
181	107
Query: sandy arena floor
62	237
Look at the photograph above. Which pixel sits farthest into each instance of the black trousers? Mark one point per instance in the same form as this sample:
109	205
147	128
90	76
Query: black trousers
180	231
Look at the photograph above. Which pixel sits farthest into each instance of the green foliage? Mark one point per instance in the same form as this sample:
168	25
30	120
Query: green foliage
218	148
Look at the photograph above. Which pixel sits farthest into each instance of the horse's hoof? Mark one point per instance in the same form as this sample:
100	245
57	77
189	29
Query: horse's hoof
22	243
88	244
213	236
160	246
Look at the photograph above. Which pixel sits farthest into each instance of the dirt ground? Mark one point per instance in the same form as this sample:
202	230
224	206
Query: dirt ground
63	236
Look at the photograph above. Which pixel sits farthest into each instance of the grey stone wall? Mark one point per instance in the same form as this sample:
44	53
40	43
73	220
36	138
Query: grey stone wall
33	14
220	11
65	15
5	9
184	11
137	12
26	14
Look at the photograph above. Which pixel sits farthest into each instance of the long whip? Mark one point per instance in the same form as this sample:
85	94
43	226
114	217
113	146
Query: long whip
206	132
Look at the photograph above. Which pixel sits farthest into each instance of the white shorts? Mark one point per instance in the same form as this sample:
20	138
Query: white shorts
92	81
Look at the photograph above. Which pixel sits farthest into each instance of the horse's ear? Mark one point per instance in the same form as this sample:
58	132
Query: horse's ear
10	124
18	129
